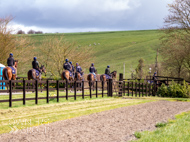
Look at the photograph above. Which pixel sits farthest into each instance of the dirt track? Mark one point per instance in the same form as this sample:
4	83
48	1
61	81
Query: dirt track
109	126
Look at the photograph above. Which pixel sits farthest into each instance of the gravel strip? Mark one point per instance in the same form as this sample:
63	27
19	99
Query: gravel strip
109	126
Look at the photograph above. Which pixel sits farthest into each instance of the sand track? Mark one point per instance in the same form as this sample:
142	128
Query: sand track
109	126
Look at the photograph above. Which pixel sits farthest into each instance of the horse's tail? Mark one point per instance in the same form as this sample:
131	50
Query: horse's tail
31	74
6	74
64	76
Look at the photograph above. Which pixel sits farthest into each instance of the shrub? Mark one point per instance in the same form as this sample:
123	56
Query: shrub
174	90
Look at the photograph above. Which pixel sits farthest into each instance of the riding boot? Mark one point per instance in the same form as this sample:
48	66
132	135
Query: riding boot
40	76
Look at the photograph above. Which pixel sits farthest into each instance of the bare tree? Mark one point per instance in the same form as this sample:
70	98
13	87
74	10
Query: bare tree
14	44
20	32
176	40
55	49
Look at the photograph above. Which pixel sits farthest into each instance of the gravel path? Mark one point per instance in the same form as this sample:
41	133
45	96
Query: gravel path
109	126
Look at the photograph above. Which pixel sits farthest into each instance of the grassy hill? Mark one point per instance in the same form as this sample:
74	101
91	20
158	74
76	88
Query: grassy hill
115	48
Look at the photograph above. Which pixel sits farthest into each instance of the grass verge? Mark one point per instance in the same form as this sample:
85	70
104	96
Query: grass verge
177	130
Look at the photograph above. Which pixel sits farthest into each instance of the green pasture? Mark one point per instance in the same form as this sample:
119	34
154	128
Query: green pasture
177	130
113	48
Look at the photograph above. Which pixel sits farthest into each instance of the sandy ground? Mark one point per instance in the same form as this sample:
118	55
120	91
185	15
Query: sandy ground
116	125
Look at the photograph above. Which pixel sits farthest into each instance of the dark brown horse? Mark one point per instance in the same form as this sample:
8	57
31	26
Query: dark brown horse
8	75
78	77
103	77
32	73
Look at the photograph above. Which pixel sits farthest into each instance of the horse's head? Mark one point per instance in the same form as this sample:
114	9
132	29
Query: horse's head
43	69
96	71
16	63
114	73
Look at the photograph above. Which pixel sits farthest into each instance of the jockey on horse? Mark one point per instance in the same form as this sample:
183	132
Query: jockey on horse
67	74
10	72
107	72
36	71
92	70
79	73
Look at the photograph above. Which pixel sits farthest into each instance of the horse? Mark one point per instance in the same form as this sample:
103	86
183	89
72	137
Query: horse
8	74
78	77
91	79
32	74
104	79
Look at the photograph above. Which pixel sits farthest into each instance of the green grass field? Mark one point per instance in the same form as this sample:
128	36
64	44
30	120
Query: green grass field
114	48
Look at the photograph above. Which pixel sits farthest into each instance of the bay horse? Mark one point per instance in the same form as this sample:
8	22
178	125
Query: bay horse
32	74
103	77
91	79
78	77
8	75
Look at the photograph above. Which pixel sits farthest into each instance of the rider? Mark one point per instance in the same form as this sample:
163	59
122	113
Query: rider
11	62
67	65
79	69
154	78
107	71
92	70
73	68
35	65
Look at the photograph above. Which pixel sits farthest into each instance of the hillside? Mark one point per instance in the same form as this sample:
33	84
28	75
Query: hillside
115	48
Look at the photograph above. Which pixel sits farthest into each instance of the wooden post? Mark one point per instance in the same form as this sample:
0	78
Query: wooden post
96	89
167	81
135	89
57	90
10	93
120	79
124	87
66	90
102	89
24	92
142	89
146	89
139	88
36	89
83	89
75	90
90	89
149	89
128	88
132	89
110	88
47	91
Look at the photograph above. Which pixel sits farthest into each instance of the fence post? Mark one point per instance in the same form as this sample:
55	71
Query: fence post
124	87
167	81
10	93
110	94
139	88
132	89
102	89
135	89
90	89
120	79
142	89
47	91
83	89
146	89
24	92
57	90
36	89
66	90
149	89
75	90
96	89
128	88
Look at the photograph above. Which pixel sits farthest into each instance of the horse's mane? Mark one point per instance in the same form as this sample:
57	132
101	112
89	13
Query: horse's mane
114	71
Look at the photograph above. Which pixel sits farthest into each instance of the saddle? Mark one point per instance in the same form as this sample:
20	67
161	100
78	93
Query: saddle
13	70
37	73
107	76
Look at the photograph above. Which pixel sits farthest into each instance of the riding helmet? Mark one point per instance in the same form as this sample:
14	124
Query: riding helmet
92	64
66	60
70	62
108	66
11	54
35	58
77	64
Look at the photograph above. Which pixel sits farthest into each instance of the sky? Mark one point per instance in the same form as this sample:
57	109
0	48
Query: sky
66	16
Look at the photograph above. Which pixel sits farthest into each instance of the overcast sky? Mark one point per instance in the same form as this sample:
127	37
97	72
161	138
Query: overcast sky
85	15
